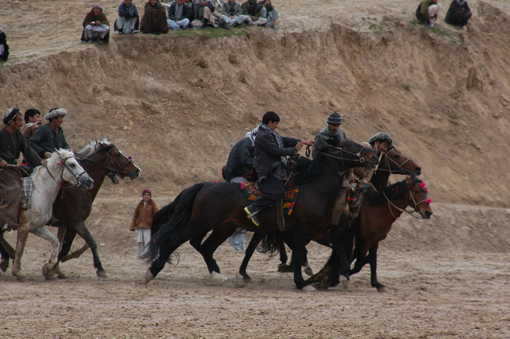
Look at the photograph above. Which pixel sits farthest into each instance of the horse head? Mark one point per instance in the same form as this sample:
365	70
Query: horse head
357	155
70	169
418	197
397	163
119	164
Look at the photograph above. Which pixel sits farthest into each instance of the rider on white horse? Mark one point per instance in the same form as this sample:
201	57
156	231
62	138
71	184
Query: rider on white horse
12	142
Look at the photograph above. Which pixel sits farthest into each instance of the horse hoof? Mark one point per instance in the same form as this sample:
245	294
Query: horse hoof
382	289
344	282
50	277
308	271
309	288
4	265
283	268
227	283
102	274
62	276
148	276
21	278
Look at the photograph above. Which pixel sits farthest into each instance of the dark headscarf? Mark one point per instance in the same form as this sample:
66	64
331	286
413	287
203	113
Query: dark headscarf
91	17
10	114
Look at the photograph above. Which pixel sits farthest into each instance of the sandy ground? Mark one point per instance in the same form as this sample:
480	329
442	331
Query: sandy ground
443	94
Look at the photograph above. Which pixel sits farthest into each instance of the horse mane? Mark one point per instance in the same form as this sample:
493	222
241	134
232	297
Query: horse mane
93	147
392	192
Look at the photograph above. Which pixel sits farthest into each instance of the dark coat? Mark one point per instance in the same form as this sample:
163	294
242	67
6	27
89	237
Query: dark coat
457	14
251	7
91	17
3	41
240	159
154	19
12	144
46	140
186	12
268	153
128	13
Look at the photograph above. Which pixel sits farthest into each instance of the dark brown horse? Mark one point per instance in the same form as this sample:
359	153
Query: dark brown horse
392	162
378	212
206	206
73	206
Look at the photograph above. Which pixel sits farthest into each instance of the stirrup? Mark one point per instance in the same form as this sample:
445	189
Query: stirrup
252	216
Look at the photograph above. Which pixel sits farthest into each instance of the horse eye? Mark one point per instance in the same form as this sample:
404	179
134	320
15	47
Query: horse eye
397	156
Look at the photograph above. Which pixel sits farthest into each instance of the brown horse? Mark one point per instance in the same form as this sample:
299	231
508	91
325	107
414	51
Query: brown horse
73	206
206	206
392	162
378	212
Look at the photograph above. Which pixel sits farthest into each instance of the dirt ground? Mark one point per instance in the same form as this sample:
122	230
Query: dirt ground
178	102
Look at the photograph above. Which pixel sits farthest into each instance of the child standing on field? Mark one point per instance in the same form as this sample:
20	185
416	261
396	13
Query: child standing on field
142	220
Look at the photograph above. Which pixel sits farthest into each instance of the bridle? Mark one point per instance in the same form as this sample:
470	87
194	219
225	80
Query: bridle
110	159
400	169
63	163
410	199
340	157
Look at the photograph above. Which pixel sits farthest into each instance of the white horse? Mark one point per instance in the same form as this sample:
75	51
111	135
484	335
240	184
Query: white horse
61	166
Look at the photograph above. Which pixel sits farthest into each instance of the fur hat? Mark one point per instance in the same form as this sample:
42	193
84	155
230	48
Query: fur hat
334	119
10	114
381	137
147	191
55	112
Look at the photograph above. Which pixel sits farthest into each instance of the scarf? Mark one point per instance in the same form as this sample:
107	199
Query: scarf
252	134
279	140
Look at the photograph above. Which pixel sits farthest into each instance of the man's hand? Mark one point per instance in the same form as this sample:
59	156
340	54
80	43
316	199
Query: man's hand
308	142
299	145
3	164
47	154
44	162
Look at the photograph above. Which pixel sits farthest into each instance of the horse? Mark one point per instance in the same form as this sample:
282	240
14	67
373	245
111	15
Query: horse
61	166
205	206
73	206
378	212
391	162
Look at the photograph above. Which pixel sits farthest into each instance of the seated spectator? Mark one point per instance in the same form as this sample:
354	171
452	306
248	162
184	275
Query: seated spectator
427	12
4	48
231	14
128	19
32	121
251	9
178	15
203	10
154	18
458	14
95	26
269	13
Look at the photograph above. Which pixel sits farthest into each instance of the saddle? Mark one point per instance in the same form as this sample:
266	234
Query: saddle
252	191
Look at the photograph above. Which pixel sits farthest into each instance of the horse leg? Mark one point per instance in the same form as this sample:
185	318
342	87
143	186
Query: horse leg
372	260
196	242
298	254
283	267
217	237
82	230
66	238
290	267
252	246
49	268
23	231
6	251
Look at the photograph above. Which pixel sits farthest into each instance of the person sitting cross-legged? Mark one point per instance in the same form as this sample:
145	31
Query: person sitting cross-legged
128	20
269	13
96	26
458	14
251	9
231	14
154	18
178	15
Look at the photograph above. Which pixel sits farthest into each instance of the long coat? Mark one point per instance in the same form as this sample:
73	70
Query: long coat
142	218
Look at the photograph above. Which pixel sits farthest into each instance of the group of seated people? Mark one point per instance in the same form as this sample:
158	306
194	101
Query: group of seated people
181	15
458	14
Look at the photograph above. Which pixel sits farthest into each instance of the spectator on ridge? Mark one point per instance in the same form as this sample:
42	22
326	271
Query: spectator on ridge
4	48
427	12
96	26
128	19
179	15
458	14
154	18
231	14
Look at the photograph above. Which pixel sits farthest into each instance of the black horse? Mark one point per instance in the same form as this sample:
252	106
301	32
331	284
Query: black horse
220	207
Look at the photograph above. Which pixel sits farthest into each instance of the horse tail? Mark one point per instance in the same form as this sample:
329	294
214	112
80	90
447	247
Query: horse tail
167	236
270	243
164	215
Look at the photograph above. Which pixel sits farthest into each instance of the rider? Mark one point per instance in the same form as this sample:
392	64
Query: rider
50	137
330	132
12	142
270	163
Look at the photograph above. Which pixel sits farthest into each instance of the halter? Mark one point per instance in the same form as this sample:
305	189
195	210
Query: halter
110	158
403	210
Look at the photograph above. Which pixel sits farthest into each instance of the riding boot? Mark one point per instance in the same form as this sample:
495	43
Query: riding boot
250	209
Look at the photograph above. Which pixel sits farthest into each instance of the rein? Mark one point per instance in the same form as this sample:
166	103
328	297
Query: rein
341	158
117	171
403	210
61	171
400	169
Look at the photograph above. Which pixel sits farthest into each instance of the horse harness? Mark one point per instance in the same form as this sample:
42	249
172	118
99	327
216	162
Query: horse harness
108	165
411	199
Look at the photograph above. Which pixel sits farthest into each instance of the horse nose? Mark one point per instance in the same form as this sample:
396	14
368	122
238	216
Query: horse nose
417	170
87	182
428	214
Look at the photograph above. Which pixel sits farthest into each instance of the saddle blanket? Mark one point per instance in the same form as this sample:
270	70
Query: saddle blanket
25	201
251	192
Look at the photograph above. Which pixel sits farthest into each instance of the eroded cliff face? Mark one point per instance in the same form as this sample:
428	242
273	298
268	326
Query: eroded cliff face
177	104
